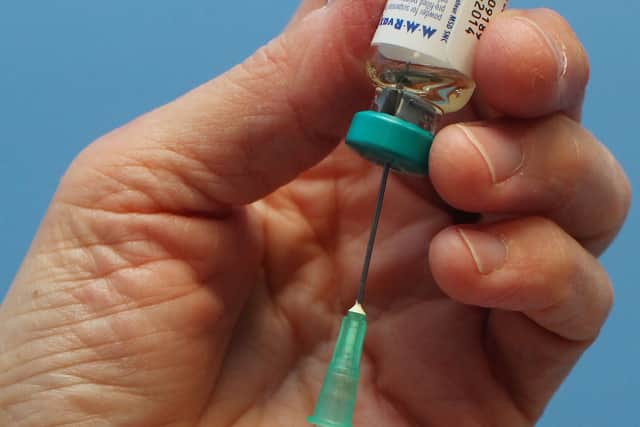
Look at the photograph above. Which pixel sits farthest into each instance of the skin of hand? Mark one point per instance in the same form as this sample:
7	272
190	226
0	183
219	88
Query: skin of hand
194	265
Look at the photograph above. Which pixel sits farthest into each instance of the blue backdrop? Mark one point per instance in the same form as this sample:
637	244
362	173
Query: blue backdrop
71	70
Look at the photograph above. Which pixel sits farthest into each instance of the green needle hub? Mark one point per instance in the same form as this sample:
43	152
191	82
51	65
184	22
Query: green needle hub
338	394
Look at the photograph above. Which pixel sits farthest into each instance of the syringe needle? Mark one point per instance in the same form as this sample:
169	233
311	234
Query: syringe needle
372	234
337	399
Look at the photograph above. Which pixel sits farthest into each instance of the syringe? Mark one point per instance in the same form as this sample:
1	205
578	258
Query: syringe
337	399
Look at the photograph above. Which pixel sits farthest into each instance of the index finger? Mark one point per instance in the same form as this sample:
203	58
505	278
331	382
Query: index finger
529	64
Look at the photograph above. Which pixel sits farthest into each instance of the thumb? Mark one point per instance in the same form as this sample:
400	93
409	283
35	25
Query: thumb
244	134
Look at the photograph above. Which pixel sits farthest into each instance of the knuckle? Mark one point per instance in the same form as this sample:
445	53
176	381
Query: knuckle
268	63
565	265
625	194
620	195
588	172
556	251
560	159
591	300
607	294
573	293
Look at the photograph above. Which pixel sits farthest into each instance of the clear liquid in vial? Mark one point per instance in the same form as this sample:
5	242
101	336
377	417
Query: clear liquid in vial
446	90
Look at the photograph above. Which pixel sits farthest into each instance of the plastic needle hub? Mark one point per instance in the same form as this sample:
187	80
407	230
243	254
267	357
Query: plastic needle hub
337	399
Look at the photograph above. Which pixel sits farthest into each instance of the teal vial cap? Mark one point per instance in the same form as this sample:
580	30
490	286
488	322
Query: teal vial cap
382	138
337	399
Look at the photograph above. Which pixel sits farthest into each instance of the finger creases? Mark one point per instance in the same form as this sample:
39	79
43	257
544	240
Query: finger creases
530	63
530	266
246	133
550	167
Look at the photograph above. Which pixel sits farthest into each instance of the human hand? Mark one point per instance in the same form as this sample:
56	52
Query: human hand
169	286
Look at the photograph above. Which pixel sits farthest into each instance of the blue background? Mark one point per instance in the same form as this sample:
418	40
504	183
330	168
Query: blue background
71	70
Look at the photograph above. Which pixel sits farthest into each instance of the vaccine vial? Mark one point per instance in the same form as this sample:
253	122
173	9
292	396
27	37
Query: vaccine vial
421	65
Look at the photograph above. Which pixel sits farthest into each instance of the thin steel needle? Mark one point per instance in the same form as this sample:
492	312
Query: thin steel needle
372	235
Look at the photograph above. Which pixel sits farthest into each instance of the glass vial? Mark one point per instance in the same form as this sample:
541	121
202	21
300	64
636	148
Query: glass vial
422	56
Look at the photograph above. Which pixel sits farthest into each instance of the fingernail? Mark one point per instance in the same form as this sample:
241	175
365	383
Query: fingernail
502	156
489	252
556	48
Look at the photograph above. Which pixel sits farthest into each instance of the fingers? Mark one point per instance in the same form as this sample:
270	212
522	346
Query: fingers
529	64
550	299
253	129
530	266
550	166
306	7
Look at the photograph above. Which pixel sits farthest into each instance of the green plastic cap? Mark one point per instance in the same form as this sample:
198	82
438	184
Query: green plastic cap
382	138
338	394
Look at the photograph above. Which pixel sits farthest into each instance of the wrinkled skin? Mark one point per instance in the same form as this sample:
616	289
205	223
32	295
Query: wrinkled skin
183	277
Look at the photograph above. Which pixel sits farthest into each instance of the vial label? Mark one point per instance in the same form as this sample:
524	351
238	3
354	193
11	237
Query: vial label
440	33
